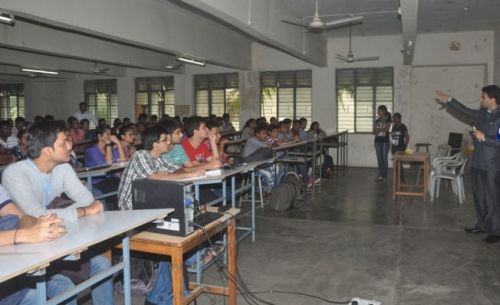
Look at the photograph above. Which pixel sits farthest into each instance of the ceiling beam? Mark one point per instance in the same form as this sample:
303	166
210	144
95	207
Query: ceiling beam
150	24
409	14
261	20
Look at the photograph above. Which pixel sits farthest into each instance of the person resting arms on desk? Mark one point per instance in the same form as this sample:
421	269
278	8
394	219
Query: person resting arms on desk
106	151
147	163
176	155
17	227
255	143
215	134
37	184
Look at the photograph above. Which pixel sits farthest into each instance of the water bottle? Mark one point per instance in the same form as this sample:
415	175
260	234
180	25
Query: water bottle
498	134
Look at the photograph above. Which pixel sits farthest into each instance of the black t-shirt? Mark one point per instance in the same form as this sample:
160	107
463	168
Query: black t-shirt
382	136
398	137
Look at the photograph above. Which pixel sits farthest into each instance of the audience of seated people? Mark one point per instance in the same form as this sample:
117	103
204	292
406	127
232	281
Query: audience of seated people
173	148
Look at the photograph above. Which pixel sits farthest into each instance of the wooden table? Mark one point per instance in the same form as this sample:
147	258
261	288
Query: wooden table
399	189
176	246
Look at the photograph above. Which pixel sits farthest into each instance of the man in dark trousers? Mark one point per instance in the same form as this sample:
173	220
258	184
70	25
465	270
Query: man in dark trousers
485	170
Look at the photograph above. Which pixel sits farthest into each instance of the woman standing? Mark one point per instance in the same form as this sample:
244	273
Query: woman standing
381	132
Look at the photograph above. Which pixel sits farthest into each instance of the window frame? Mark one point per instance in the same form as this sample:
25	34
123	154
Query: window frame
18	89
168	82
295	86
112	89
374	85
210	79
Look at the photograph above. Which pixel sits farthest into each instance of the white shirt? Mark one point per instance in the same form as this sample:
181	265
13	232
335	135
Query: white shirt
86	115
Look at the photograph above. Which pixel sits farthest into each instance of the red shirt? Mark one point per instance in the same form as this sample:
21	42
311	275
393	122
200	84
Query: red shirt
200	154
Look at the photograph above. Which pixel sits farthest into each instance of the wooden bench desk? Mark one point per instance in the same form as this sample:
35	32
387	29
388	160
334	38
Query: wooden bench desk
176	246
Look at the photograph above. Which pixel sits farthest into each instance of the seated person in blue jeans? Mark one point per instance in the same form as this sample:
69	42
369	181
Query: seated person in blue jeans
147	163
259	141
17	227
37	183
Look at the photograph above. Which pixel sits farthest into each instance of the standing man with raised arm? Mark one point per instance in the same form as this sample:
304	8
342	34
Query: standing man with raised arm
485	169
36	184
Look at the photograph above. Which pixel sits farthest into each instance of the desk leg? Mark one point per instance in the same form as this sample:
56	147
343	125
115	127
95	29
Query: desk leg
231	263
126	271
41	289
395	165
253	204
177	277
233	191
224	193
426	179
89	183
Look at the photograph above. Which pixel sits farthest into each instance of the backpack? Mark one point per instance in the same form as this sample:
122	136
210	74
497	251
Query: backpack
327	166
286	194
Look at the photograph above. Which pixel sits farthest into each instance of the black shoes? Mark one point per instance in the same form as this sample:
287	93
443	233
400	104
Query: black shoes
492	239
474	230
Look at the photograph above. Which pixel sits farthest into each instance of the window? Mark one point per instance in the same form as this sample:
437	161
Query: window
11	101
155	95
286	94
359	93
218	94
101	96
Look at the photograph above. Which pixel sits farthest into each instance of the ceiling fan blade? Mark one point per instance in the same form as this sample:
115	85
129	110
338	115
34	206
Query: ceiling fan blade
295	23
366	58
343	21
339	56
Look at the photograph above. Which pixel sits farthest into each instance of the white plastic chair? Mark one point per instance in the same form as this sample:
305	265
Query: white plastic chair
442	150
452	170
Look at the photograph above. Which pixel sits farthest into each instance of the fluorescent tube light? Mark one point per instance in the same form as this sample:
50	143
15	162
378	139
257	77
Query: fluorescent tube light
40	71
191	60
7	18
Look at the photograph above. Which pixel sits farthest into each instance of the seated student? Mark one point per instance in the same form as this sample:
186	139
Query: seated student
176	155
6	156
296	130
284	135
215	132
21	151
36	184
73	161
248	129
77	133
107	150
274	131
147	163
303	135
226	125
88	134
255	143
127	134
196	132
17	227
315	130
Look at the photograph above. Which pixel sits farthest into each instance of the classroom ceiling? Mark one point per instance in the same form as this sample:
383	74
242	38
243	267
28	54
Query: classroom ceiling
381	17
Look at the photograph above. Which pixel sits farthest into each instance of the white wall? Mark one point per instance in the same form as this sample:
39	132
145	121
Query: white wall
431	50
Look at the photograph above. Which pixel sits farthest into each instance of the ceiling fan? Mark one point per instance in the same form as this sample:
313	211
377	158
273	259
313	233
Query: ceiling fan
350	56
316	25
